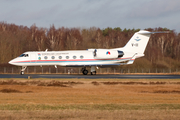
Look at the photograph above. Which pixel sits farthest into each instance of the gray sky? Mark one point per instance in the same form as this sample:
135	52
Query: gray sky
92	13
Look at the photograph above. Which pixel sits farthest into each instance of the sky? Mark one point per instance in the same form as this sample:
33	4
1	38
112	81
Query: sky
129	14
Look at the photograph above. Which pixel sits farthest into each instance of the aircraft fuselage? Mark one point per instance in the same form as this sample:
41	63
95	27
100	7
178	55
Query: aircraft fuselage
66	58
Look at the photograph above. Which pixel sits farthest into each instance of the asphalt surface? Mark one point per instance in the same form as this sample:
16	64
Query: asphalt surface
102	76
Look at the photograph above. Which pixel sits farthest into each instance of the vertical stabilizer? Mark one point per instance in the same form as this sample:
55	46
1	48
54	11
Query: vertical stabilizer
138	42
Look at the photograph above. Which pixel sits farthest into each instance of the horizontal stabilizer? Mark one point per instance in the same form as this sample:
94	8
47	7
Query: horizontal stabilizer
143	32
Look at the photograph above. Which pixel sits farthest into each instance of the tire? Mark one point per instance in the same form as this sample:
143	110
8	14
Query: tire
22	73
85	72
93	73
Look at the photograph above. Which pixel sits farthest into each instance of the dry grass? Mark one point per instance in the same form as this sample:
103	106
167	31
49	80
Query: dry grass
91	115
89	99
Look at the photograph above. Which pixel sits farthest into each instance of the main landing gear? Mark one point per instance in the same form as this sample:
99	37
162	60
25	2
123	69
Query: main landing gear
85	71
93	70
23	69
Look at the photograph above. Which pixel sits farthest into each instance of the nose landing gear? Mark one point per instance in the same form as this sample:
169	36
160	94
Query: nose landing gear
23	69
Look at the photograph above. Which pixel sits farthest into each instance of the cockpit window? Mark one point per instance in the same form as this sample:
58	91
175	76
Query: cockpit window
24	55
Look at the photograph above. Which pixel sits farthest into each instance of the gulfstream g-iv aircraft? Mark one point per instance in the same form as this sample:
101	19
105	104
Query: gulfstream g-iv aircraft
92	58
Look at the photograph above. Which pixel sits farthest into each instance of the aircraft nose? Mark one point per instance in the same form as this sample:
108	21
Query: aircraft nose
11	62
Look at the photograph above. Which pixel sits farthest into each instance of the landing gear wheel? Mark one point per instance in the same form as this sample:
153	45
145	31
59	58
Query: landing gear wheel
22	73
23	69
93	72
85	72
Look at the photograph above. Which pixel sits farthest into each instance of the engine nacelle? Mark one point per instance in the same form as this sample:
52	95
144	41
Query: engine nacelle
107	54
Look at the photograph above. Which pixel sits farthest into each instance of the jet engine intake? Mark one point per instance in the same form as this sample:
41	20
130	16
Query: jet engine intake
120	54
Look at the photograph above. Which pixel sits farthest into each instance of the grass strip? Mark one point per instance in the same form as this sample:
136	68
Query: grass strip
90	107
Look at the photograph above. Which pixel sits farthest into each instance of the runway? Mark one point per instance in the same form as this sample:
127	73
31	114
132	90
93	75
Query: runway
98	76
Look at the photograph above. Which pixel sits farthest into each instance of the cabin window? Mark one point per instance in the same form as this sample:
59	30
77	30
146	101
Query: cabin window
74	57
81	57
45	57
60	57
67	57
53	57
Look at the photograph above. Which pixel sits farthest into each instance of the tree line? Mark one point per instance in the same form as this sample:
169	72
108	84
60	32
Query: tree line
163	50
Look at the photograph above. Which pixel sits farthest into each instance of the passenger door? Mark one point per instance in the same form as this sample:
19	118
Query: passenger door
33	58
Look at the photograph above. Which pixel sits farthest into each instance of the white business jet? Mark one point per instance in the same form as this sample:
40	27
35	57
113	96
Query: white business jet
92	58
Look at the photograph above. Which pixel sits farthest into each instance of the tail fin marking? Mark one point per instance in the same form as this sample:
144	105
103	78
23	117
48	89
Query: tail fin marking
138	42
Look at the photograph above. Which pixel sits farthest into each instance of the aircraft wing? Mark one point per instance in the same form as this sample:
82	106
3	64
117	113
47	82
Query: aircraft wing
132	59
98	65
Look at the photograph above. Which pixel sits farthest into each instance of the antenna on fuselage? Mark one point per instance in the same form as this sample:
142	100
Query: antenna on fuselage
46	50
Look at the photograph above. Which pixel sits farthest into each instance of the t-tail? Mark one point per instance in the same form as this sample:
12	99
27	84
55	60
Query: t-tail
137	44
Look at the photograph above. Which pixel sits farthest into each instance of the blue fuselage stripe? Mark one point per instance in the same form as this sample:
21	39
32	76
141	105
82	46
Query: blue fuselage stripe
60	61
